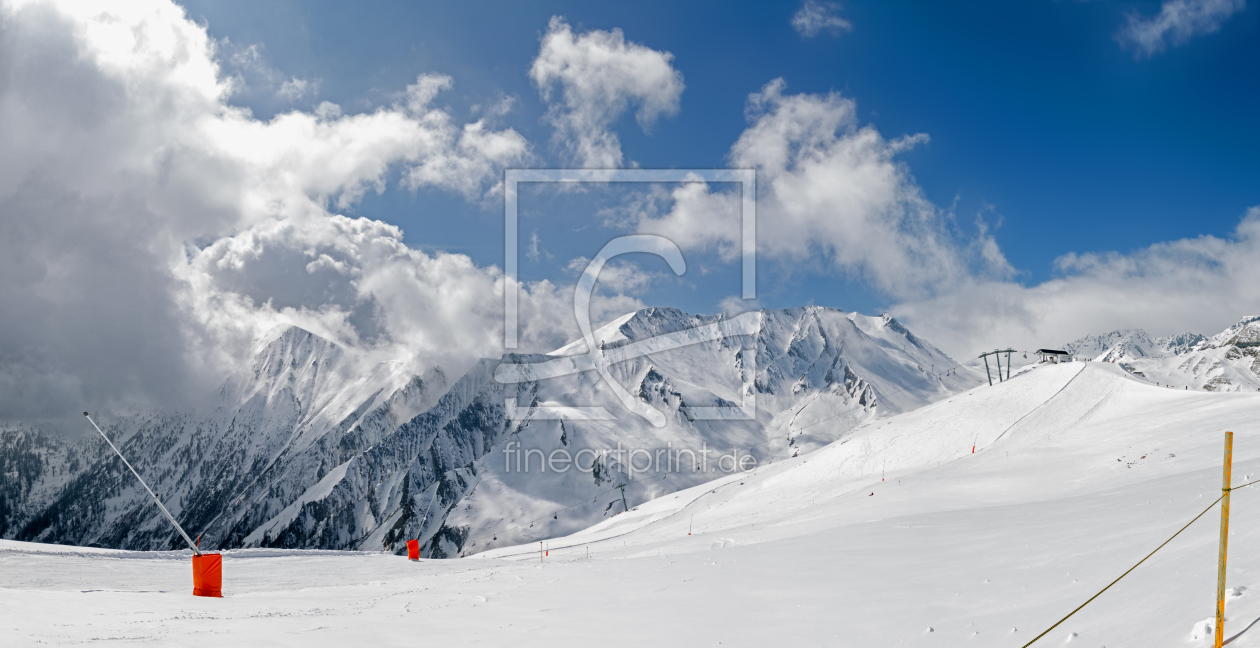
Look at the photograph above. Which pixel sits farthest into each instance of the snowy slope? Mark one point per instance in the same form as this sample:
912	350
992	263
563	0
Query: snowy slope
1081	470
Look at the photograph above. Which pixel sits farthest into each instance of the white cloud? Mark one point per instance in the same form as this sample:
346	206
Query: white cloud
598	76
497	108
354	281
464	158
250	77
831	193
737	305
1176	23
535	251
617	277
815	17
426	88
1198	284
152	229
295	89
327	110
830	189
468	158
697	218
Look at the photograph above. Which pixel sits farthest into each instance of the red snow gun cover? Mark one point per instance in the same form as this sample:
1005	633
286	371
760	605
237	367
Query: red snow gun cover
413	550
208	575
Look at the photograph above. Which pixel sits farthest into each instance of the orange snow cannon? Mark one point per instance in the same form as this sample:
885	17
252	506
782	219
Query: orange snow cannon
207	568
413	550
208	575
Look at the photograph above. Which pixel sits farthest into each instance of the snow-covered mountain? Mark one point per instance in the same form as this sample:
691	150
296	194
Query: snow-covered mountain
34	467
297	393
1228	361
1131	344
310	446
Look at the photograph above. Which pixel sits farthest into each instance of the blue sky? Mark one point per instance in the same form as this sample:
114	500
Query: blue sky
181	180
1039	119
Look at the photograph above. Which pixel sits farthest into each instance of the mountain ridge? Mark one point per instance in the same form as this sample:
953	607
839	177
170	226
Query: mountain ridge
309	445
1227	361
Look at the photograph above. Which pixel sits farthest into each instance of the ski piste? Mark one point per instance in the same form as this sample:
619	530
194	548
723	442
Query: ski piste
1081	469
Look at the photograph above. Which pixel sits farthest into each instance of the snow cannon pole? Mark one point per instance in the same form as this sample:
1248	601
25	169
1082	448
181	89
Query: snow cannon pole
1220	569
191	545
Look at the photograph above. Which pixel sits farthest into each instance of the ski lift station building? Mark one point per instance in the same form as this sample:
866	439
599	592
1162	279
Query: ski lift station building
1053	355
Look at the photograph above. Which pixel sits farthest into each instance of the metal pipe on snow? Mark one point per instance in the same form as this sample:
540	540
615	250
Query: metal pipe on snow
191	545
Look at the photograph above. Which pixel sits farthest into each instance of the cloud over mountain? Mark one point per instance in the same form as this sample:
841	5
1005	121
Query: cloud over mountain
598	76
153	229
1170	287
832	190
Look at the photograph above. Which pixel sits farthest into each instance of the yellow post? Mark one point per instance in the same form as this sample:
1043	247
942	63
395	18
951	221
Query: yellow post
1220	569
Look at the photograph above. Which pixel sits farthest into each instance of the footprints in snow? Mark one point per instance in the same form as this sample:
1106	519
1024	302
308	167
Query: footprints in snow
1207	627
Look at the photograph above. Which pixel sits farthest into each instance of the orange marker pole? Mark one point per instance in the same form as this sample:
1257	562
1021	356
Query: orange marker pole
1220	569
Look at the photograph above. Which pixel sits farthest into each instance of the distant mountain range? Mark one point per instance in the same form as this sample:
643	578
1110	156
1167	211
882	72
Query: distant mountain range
1227	361
309	446
1130	344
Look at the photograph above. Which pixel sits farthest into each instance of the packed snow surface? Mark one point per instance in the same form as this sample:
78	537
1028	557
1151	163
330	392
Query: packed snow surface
896	534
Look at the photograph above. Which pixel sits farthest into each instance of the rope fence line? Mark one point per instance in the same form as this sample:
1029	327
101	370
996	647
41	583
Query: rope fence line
1126	573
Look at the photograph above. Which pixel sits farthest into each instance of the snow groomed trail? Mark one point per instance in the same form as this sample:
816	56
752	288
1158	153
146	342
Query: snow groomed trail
1078	472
